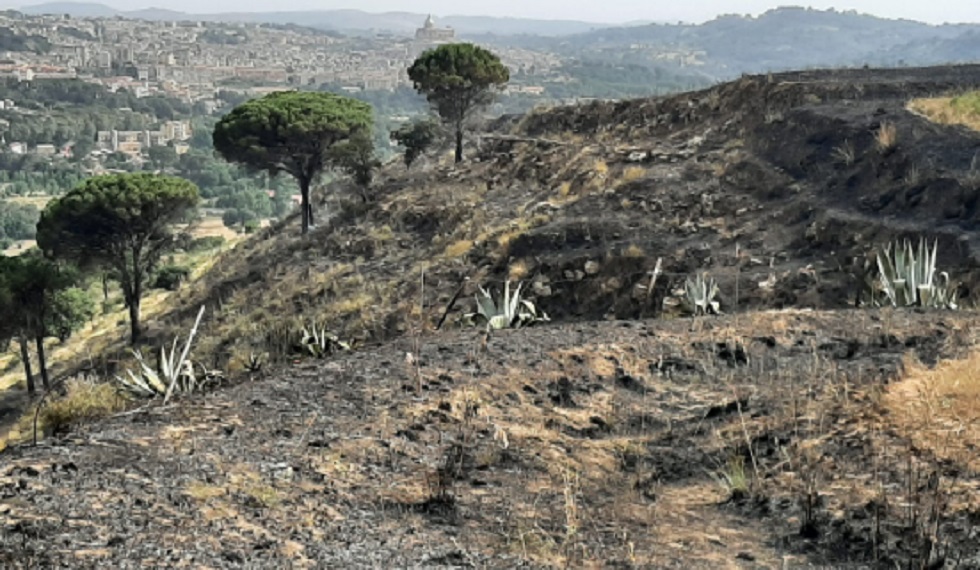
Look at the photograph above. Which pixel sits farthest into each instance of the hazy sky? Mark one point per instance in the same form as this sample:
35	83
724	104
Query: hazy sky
933	11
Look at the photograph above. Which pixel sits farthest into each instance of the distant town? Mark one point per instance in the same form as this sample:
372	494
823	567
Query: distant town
194	61
191	60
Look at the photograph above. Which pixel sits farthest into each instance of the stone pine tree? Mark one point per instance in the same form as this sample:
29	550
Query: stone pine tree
37	300
121	222
291	132
457	79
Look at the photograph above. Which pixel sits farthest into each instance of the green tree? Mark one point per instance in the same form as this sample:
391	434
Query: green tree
36	287
81	148
356	157
292	132
12	318
71	308
162	156
416	137
121	222
457	79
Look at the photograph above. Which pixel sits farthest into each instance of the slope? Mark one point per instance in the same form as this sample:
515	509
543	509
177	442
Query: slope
807	435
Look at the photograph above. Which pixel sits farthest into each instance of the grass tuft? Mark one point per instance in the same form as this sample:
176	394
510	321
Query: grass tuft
85	399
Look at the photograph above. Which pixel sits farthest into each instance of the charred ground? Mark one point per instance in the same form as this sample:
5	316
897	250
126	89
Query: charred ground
753	440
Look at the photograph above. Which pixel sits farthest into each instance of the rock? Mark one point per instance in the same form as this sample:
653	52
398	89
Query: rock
591	267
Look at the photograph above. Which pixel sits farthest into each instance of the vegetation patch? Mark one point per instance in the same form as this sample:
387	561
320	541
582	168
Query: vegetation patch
951	110
85	399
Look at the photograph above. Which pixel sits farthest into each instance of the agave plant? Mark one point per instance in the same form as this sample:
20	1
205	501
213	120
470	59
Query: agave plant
176	373
907	277
700	295
510	311
320	343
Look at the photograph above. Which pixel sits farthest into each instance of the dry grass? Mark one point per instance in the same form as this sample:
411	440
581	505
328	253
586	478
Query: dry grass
84	399
634	173
213	226
518	270
37	201
939	409
951	110
886	136
458	249
19	247
634	251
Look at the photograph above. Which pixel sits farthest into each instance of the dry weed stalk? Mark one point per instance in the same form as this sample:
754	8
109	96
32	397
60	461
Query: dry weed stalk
886	136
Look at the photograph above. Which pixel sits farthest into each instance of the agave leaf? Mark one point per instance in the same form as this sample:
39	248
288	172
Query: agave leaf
512	301
498	322
485	304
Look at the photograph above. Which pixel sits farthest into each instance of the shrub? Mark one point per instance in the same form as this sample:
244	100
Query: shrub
70	309
206	243
170	277
84	399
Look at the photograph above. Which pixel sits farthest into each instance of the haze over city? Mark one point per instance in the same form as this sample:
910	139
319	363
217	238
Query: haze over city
610	11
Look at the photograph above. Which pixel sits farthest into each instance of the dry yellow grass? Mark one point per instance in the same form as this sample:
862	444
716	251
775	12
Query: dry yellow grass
19	247
213	226
634	173
634	251
518	270
38	201
84	399
886	136
203	492
951	110
458	249
939	408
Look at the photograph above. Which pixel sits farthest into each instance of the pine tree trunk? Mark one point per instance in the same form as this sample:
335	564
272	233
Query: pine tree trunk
26	358
305	206
135	331
459	144
41	362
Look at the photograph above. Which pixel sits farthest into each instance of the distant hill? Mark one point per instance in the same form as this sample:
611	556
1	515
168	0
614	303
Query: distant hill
350	21
786	38
75	9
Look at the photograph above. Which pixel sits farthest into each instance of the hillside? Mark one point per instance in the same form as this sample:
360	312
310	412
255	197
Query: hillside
777	40
795	431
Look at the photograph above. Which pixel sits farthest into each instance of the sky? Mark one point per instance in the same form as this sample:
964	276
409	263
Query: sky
599	11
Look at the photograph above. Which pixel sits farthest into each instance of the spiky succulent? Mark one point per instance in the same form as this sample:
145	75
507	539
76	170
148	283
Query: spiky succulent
907	277
700	295
510	311
176	372
318	342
